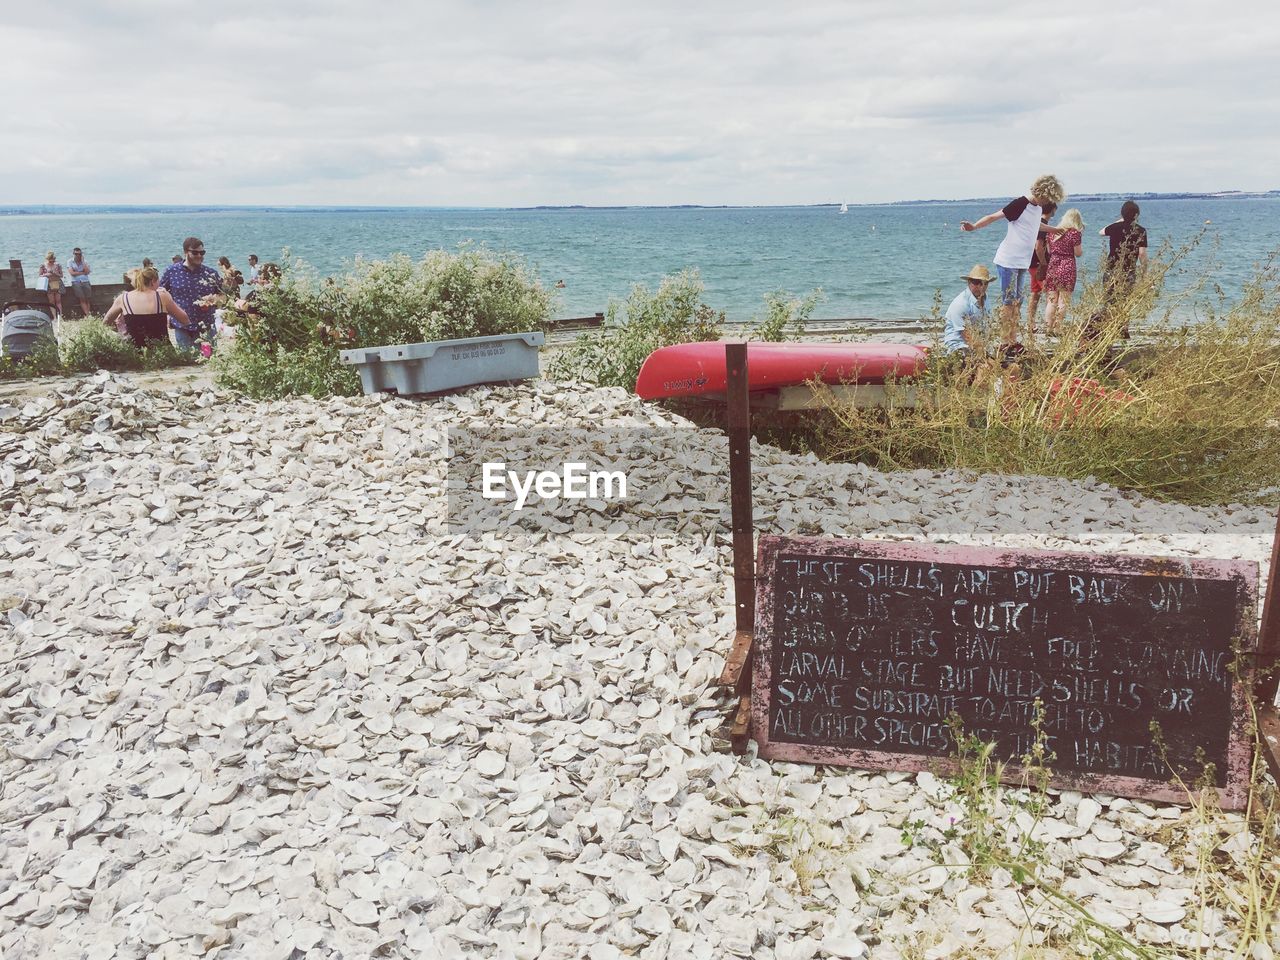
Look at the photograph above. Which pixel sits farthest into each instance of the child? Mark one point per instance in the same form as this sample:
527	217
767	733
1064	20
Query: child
1060	280
1039	264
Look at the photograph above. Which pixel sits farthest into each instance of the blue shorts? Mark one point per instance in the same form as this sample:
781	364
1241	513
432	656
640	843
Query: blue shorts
1013	284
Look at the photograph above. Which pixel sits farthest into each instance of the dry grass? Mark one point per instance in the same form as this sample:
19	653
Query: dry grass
1235	861
1190	417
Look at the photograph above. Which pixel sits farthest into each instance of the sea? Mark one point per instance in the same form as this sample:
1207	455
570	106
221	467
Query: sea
877	262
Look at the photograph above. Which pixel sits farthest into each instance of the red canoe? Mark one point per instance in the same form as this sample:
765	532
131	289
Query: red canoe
690	369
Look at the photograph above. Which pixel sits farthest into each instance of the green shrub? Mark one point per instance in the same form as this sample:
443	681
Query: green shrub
290	346
611	357
95	346
784	319
273	370
41	362
164	355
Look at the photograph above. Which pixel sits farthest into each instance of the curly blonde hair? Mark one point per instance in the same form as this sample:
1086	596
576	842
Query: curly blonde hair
1072	220
1049	188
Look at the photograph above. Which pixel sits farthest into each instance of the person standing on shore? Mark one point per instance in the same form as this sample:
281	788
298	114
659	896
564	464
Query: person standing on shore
51	273
232	279
966	328
1039	264
1128	253
252	275
1013	256
1060	281
1127	257
194	287
79	270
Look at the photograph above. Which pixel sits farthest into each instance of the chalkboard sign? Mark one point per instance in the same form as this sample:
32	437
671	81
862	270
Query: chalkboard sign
865	649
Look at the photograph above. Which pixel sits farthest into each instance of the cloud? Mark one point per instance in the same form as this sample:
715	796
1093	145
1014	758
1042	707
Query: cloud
502	103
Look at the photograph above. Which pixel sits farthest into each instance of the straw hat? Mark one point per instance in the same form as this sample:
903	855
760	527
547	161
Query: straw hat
979	272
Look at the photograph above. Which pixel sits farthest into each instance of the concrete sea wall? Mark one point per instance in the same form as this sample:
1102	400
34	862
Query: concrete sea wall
16	285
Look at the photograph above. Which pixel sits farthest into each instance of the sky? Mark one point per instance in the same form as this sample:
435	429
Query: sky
487	103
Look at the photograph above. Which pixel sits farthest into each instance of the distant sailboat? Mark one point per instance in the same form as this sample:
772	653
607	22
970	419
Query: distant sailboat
844	208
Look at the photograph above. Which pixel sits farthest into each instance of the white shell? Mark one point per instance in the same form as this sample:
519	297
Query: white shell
361	911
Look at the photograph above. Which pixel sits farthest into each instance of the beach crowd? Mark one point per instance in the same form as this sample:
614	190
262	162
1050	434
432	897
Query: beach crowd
1044	253
197	302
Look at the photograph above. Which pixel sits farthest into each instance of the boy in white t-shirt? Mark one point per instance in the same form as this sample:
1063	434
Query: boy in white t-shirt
1014	254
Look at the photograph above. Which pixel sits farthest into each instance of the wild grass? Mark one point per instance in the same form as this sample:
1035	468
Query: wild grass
1234	859
1190	415
784	316
995	838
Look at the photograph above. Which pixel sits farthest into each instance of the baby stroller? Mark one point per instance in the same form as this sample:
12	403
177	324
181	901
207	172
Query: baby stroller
21	329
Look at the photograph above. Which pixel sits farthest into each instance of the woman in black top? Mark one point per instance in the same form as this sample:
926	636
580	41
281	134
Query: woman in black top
143	313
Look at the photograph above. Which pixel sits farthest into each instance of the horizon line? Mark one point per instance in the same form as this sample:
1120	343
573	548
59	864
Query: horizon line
19	207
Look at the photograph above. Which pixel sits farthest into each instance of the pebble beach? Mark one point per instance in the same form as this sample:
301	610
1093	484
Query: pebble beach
259	698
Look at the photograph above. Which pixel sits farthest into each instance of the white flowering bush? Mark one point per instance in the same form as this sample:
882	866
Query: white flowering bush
288	342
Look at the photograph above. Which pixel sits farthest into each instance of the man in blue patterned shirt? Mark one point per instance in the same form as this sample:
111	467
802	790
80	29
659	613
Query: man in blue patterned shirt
192	286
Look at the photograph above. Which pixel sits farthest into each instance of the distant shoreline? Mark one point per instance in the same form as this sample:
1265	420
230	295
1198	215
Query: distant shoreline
46	209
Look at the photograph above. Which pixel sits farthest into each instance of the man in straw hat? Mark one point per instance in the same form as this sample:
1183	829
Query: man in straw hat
967	316
1014	254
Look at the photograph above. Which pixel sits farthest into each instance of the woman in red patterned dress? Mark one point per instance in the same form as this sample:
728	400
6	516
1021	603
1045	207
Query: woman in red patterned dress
1060	278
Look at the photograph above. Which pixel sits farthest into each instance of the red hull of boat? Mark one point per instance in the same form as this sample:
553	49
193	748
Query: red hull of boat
691	369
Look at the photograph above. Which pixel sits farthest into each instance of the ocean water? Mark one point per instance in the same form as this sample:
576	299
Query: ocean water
883	262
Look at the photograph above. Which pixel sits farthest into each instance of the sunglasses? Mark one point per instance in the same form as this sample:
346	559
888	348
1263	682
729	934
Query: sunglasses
197	253
980	283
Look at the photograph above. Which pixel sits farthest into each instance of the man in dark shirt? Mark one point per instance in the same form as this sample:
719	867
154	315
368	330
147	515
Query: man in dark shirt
193	287
1128	248
1126	258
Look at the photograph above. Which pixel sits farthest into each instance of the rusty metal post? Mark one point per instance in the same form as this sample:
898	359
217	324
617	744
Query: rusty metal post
738	416
738	429
1266	676
737	668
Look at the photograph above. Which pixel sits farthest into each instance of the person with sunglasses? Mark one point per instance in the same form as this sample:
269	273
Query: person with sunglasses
194	287
966	330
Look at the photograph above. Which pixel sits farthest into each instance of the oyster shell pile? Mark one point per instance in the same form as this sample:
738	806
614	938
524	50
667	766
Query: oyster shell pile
257	699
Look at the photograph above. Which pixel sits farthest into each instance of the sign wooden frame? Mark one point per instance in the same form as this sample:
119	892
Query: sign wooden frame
1240	739
1257	705
1267	676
